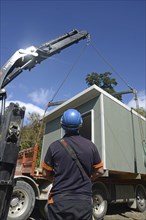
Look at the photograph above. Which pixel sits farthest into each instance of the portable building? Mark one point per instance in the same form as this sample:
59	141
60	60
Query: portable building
118	131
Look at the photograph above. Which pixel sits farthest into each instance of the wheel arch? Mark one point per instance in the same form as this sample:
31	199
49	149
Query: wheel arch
142	186
101	186
31	182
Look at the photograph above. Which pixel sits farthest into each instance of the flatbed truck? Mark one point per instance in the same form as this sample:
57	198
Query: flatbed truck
119	134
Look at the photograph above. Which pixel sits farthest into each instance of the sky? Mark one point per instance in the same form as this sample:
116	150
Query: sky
117	45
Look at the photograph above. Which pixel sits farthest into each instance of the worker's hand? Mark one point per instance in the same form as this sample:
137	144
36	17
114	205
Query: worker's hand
49	175
97	172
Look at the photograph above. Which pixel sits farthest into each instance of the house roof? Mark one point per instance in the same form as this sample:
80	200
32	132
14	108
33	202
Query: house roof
79	99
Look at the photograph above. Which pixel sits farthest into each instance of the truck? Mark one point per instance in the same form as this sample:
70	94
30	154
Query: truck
119	133
11	121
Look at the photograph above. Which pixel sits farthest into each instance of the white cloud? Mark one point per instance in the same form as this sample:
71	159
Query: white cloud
10	96
42	96
141	100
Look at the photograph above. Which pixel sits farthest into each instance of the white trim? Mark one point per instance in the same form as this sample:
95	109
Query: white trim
62	132
102	130
92	126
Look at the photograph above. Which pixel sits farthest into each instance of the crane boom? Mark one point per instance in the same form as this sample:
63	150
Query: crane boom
26	59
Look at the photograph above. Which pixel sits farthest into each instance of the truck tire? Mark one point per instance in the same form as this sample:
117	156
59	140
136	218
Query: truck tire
141	198
99	204
22	201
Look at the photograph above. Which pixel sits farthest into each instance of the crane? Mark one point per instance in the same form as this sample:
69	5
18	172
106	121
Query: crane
11	118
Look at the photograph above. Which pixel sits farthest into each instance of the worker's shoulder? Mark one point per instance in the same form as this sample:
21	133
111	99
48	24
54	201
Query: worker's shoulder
82	139
87	142
54	144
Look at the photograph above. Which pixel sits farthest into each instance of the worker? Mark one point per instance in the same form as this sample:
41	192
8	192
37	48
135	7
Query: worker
71	194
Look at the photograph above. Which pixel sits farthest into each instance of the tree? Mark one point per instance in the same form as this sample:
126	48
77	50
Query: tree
32	133
141	111
104	81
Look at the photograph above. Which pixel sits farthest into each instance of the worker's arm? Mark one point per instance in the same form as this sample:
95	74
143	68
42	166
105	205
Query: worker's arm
97	171
47	172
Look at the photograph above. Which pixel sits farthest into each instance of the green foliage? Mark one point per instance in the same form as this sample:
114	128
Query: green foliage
141	111
32	133
104	81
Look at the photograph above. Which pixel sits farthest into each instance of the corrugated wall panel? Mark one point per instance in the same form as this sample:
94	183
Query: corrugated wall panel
118	137
139	132
52	133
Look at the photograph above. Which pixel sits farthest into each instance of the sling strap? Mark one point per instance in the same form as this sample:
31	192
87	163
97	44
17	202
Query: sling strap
73	155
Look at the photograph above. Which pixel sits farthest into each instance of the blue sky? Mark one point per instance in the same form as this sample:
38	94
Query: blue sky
117	30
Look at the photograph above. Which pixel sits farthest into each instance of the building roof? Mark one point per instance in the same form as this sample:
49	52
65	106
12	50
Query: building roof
79	99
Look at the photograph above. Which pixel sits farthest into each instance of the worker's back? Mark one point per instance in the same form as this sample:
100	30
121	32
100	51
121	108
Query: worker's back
68	179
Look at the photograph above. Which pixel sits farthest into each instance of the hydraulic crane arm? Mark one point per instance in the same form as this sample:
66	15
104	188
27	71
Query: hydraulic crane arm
28	58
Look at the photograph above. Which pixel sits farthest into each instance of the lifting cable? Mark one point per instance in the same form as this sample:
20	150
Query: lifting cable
133	91
69	72
108	64
60	86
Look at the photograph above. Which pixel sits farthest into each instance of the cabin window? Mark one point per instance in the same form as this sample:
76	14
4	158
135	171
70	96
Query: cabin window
85	130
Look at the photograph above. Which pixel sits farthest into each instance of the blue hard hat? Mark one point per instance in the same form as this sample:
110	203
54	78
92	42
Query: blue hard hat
71	120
